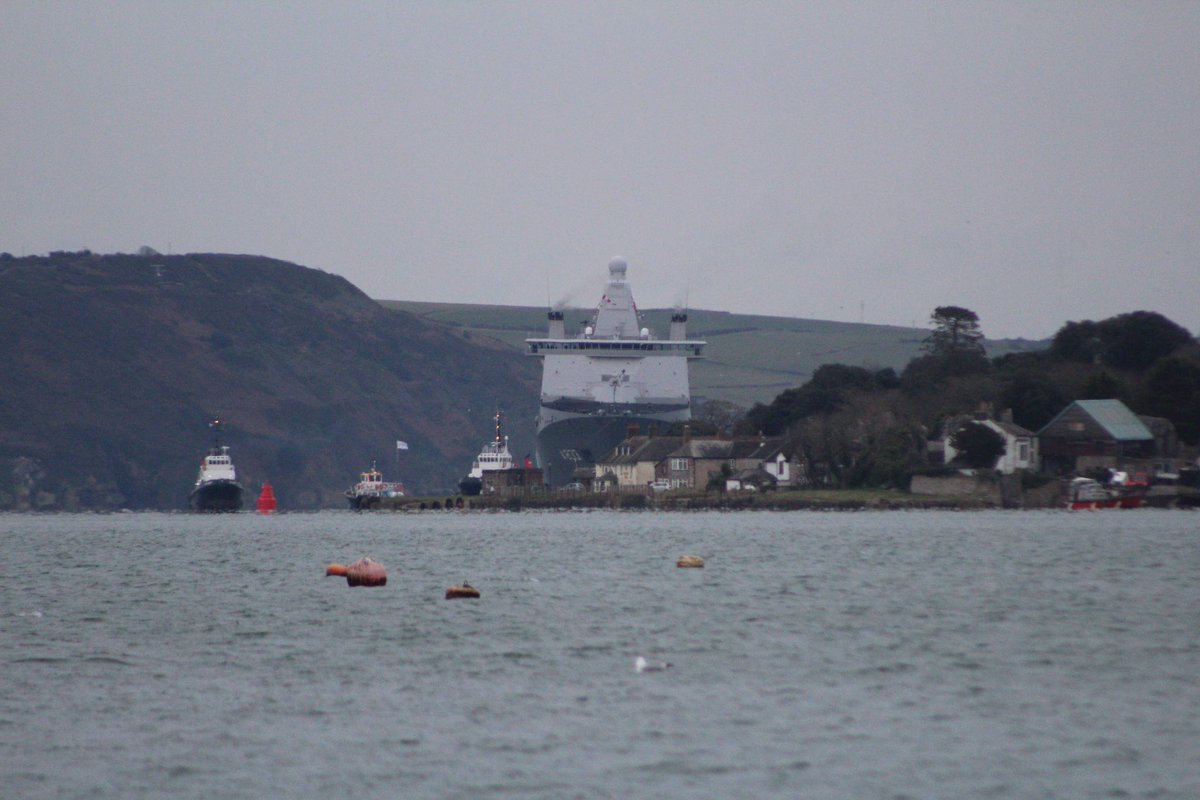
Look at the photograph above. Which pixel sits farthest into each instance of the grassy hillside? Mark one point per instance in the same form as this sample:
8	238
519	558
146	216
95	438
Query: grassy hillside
112	365
750	358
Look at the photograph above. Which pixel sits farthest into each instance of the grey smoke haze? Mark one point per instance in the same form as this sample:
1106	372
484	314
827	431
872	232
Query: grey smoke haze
1035	162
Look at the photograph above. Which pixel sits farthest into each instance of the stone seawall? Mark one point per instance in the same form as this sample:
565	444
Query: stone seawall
1005	491
980	487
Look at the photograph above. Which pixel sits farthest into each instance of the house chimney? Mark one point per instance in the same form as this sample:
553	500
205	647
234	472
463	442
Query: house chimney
632	430
1006	415
558	328
687	434
678	326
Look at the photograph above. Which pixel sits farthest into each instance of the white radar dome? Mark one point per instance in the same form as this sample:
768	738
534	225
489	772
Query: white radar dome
617	267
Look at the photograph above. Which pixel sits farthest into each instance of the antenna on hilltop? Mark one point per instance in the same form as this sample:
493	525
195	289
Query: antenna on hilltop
681	304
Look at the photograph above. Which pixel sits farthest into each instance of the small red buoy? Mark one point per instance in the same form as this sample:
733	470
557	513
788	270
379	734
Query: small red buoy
266	500
364	572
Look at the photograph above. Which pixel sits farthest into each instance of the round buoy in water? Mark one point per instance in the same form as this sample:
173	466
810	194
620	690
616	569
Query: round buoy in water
690	561
364	572
465	590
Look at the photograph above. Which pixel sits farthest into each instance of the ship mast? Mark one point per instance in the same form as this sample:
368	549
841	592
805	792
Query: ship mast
215	427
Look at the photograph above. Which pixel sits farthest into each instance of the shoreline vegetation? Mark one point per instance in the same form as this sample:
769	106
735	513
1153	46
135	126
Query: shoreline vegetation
819	500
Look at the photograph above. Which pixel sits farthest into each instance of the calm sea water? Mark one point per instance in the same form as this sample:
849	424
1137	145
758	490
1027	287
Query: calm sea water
854	655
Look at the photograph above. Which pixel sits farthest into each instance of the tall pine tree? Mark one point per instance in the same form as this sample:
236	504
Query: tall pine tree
955	330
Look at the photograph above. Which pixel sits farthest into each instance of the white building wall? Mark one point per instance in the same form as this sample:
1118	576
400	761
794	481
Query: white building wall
780	468
1015	456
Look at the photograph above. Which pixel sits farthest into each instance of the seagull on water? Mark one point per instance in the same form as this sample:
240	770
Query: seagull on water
640	664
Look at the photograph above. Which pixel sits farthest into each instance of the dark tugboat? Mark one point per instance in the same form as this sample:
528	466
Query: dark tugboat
217	487
494	457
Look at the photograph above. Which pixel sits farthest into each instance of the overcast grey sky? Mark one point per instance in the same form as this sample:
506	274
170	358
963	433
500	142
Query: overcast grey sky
1037	162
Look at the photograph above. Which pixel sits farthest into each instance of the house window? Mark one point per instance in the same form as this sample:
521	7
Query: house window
679	464
1023	451
1076	427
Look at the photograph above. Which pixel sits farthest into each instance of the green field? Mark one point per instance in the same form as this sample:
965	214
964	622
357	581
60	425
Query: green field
750	358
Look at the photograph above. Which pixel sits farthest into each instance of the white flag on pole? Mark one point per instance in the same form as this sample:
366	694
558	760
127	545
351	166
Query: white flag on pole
401	445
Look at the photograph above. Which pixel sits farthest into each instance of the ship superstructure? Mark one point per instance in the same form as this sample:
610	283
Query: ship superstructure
371	489
494	457
612	375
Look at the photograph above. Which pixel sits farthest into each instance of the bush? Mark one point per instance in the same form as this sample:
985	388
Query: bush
978	445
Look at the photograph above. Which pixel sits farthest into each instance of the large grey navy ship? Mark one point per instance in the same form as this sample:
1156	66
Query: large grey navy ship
599	382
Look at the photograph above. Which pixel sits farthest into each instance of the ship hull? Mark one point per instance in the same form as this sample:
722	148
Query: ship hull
363	502
470	486
571	442
215	496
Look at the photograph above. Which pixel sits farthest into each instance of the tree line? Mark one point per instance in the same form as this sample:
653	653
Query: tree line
856	426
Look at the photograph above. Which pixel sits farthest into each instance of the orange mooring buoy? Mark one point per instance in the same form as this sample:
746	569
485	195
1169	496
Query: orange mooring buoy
364	572
266	500
463	590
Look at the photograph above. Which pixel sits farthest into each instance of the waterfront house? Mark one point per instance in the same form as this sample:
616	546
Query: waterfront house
636	461
1020	444
753	480
686	461
1104	434
782	462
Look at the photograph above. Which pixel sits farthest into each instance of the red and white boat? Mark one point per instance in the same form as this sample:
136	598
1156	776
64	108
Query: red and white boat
371	489
1086	494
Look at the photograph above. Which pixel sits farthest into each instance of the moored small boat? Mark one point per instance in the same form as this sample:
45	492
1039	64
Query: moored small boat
372	489
1086	494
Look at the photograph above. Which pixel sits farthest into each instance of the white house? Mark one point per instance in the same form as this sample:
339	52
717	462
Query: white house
780	463
1020	445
